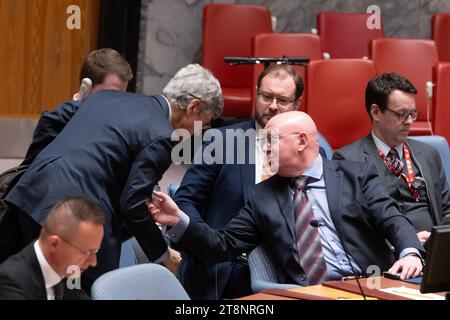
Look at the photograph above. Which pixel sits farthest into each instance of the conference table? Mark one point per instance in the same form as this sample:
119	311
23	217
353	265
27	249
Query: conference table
349	290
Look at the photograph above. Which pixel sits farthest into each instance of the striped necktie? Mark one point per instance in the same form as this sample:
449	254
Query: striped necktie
396	165
309	246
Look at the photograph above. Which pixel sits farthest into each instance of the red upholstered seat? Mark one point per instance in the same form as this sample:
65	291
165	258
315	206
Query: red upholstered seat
284	44
440	30
346	35
335	98
441	97
414	59
227	31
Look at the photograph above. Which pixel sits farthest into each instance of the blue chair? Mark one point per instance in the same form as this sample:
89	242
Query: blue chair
127	255
140	282
263	274
326	147
440	143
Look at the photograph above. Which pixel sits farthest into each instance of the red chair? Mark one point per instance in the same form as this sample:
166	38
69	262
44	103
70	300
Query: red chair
440	30
227	31
346	35
335	98
414	59
284	44
441	97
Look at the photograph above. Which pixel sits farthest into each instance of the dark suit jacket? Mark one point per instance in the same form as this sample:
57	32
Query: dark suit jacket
50	124
361	210
113	151
213	194
429	164
21	277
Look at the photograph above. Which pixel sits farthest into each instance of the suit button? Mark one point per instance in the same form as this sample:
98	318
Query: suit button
302	277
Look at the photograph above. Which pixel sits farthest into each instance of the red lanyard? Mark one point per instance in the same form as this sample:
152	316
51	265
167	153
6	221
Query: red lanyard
408	178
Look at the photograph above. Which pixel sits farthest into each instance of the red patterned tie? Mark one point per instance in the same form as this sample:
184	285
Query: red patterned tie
308	239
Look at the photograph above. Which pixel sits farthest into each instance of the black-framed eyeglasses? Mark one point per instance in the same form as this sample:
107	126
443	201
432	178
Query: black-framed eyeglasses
404	115
205	126
281	101
88	253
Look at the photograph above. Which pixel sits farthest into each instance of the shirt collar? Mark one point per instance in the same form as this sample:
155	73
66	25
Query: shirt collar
51	278
385	148
170	108
315	171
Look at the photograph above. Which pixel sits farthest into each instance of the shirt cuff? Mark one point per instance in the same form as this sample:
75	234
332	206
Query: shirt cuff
162	258
407	251
177	231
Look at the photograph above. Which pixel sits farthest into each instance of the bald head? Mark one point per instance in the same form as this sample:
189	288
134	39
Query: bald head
293	121
298	144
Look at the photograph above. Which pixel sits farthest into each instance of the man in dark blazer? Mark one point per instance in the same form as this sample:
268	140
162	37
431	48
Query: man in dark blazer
214	193
422	193
107	70
353	215
114	150
67	245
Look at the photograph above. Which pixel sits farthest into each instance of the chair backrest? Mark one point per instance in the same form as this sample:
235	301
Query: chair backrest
440	30
263	272
346	35
127	255
441	100
283	44
323	143
441	144
140	282
227	31
335	98
414	59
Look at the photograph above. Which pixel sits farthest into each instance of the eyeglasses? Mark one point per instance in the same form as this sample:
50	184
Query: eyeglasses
89	253
404	115
268	98
205	126
269	139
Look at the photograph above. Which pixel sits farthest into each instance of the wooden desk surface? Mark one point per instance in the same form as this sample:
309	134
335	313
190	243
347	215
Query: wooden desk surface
338	294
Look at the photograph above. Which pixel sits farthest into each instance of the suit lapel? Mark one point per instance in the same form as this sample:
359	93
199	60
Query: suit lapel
283	196
333	184
372	156
36	272
424	170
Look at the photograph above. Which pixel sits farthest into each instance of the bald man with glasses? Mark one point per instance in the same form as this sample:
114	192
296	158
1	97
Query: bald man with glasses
410	171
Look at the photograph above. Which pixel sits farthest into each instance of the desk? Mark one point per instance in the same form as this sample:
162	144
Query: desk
324	291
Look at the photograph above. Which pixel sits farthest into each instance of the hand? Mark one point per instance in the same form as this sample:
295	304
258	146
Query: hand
163	209
410	266
173	262
423	236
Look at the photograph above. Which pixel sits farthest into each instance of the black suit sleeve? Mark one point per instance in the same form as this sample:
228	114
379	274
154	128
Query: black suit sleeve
239	235
444	185
49	126
147	169
10	289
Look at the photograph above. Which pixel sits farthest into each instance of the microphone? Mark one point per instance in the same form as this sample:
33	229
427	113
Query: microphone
317	224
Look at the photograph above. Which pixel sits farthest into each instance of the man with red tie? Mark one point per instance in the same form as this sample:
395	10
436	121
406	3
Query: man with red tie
410	171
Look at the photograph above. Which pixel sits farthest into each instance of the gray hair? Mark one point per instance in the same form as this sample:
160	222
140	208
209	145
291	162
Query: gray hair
194	81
